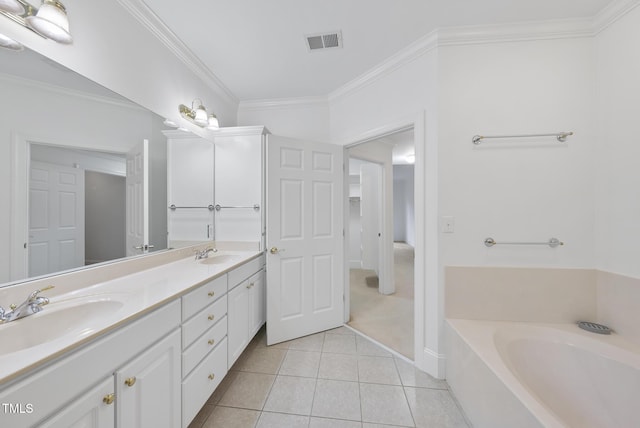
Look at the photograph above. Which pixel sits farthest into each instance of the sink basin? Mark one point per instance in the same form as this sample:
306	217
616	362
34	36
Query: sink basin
54	321
222	258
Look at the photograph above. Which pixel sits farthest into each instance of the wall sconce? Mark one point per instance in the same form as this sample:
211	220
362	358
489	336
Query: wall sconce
198	115
49	21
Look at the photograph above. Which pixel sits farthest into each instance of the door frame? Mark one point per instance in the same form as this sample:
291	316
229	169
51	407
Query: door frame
428	297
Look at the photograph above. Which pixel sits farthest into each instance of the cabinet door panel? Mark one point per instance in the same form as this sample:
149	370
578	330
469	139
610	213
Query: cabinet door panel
238	321
256	303
148	388
88	411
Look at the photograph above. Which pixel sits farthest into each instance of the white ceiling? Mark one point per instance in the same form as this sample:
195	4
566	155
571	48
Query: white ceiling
258	50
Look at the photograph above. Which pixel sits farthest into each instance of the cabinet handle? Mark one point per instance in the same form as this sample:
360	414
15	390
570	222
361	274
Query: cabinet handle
211	293
211	342
109	398
210	317
130	381
211	376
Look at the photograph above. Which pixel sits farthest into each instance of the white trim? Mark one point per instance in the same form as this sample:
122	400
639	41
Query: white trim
238	131
143	14
434	363
613	12
49	87
512	32
426	220
283	103
410	53
516	32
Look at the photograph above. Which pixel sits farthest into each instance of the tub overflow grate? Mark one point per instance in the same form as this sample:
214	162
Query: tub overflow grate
594	328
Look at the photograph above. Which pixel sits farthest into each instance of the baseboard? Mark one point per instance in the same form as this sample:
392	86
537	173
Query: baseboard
433	363
355	264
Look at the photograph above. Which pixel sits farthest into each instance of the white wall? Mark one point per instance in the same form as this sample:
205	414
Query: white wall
112	48
403	205
305	120
618	149
527	190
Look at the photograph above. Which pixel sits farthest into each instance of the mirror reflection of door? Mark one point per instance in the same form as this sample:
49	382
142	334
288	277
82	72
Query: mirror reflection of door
56	218
76	208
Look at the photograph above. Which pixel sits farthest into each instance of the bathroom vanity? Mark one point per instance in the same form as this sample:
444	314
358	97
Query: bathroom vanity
143	349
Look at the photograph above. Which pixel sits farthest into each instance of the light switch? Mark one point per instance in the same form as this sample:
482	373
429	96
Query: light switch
447	224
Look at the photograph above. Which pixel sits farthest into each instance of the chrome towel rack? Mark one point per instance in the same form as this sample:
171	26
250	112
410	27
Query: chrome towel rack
553	243
218	207
172	207
560	136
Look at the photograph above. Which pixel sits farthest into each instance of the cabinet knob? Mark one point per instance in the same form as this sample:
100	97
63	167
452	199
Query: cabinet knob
109	398
130	381
211	293
210	317
211	342
211	376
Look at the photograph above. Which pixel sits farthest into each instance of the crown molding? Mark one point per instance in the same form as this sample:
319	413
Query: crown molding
234	131
141	12
49	87
515	32
282	103
612	13
400	59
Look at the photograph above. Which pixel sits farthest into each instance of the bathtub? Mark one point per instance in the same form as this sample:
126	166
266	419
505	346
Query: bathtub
521	375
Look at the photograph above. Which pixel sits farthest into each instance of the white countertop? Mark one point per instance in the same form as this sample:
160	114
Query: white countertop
101	308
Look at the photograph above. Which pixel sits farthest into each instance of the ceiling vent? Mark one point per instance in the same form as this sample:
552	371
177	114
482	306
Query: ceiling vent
316	42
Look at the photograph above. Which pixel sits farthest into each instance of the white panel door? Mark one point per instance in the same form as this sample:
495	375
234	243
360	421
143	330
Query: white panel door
137	204
304	238
56	218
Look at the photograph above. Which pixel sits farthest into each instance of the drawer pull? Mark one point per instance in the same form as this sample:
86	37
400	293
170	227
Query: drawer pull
210	317
211	376
109	398
211	293
211	342
130	381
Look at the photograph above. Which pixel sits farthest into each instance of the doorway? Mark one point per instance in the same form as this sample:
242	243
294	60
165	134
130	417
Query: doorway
381	240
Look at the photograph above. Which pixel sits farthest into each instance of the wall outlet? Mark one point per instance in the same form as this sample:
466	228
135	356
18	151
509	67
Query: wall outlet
447	224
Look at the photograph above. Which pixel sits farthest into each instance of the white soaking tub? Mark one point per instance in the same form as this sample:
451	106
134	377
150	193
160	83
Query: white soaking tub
508	374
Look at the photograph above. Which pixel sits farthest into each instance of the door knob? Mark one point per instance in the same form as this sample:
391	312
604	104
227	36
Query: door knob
274	250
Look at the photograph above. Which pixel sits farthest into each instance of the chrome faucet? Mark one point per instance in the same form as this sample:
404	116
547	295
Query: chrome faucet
205	253
32	305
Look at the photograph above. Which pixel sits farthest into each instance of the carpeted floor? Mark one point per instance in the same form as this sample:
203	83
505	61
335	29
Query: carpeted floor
387	319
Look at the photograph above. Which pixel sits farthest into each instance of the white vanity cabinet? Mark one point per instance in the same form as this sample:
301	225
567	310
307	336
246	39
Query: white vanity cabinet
81	388
94	409
246	306
148	388
204	345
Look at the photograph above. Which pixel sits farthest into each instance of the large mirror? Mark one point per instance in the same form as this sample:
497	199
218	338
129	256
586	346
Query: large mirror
72	178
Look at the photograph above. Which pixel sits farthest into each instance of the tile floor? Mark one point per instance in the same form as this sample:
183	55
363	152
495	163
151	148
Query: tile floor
334	379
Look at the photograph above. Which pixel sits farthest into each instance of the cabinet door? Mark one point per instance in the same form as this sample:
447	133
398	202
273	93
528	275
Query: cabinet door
256	303
148	388
92	409
237	321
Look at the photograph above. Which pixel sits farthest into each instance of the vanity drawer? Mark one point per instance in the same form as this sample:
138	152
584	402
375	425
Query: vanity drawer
202	321
200	384
203	296
203	345
243	272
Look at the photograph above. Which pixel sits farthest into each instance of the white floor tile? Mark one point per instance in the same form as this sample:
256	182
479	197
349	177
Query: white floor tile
337	399
291	395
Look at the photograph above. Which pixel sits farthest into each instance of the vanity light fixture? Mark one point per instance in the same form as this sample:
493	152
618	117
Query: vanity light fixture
170	123
213	122
197	114
12	6
49	21
9	43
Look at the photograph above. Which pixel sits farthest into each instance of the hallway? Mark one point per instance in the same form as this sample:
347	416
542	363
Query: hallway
388	319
